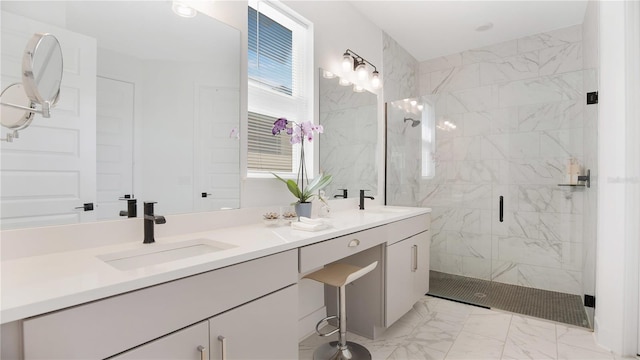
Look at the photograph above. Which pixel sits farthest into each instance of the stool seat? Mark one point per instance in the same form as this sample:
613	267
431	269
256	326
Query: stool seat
339	274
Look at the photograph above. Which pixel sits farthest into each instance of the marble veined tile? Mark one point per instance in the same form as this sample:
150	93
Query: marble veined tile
577	337
472	346
476	267
551	116
416	350
457	78
569	352
469	244
552	279
546	171
494	326
562	143
518	67
554	88
467	148
560	59
550	39
561	227
441	63
530	251
491	53
530	339
476	99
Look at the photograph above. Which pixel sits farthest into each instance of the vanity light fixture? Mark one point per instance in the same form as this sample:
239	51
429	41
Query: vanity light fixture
354	62
183	10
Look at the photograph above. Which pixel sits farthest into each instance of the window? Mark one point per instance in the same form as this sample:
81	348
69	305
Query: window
428	140
280	79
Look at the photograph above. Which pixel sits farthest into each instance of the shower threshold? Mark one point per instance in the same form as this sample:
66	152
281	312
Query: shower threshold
544	304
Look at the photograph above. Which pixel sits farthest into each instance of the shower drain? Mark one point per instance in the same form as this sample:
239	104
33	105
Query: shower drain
480	295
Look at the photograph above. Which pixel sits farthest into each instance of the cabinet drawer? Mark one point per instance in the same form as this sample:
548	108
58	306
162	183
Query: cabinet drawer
406	228
106	327
317	255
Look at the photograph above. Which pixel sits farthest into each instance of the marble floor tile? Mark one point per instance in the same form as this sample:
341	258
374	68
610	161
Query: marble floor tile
438	329
494	326
471	346
577	337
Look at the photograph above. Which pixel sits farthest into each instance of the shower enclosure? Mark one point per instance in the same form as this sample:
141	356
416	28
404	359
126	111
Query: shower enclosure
492	161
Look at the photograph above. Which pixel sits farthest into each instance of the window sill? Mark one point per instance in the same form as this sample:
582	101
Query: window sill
269	175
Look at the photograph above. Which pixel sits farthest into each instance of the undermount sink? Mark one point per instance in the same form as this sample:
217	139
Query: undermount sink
158	253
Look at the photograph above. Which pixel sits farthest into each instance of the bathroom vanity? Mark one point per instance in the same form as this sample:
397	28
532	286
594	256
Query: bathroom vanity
236	301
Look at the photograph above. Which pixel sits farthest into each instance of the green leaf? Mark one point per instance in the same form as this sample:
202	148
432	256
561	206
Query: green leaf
319	183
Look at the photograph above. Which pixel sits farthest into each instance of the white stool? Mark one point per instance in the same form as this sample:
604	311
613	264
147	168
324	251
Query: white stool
339	275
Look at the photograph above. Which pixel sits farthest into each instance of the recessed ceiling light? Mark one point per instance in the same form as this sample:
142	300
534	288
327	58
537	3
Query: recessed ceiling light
183	10
485	27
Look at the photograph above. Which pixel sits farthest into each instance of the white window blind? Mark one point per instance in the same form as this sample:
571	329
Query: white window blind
267	152
280	75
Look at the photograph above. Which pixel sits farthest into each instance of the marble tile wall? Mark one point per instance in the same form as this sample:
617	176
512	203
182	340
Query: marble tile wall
520	115
400	71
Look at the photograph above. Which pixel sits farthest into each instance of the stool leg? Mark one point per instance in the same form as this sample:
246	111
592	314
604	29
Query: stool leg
342	298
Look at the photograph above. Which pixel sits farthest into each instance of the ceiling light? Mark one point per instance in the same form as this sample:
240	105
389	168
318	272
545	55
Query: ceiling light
344	82
485	27
420	107
358	88
183	10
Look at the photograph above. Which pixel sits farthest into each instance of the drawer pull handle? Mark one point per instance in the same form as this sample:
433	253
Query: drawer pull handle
223	347
354	243
203	352
414	260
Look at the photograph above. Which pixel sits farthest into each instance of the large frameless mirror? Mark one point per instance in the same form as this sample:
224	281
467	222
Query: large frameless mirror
349	143
145	112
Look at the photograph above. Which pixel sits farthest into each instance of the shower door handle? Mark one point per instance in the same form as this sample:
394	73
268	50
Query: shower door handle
501	208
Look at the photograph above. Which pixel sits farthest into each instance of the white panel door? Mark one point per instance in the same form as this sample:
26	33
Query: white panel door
51	169
216	152
114	146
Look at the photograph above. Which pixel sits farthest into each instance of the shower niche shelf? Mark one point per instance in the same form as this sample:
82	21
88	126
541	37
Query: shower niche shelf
584	180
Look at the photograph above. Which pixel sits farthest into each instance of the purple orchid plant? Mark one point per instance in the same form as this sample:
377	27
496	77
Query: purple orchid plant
299	132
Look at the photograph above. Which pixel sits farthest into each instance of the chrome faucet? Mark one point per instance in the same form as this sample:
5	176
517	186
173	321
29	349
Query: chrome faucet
344	194
362	197
149	220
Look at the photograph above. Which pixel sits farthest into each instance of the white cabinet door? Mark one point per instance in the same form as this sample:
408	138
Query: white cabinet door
186	344
407	275
266	328
421	242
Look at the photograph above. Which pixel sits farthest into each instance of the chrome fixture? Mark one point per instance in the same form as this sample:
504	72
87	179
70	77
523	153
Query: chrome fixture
355	62
149	220
414	122
362	197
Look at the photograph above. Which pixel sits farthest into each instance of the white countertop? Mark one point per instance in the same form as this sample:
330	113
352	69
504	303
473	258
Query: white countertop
40	284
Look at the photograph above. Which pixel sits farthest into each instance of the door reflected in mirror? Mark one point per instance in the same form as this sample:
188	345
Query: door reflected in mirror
145	109
349	143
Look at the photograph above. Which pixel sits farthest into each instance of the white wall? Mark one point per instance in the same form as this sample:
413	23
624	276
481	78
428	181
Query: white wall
616	317
590	63
337	27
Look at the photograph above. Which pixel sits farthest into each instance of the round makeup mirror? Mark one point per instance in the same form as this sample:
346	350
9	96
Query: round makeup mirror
42	70
41	79
16	118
